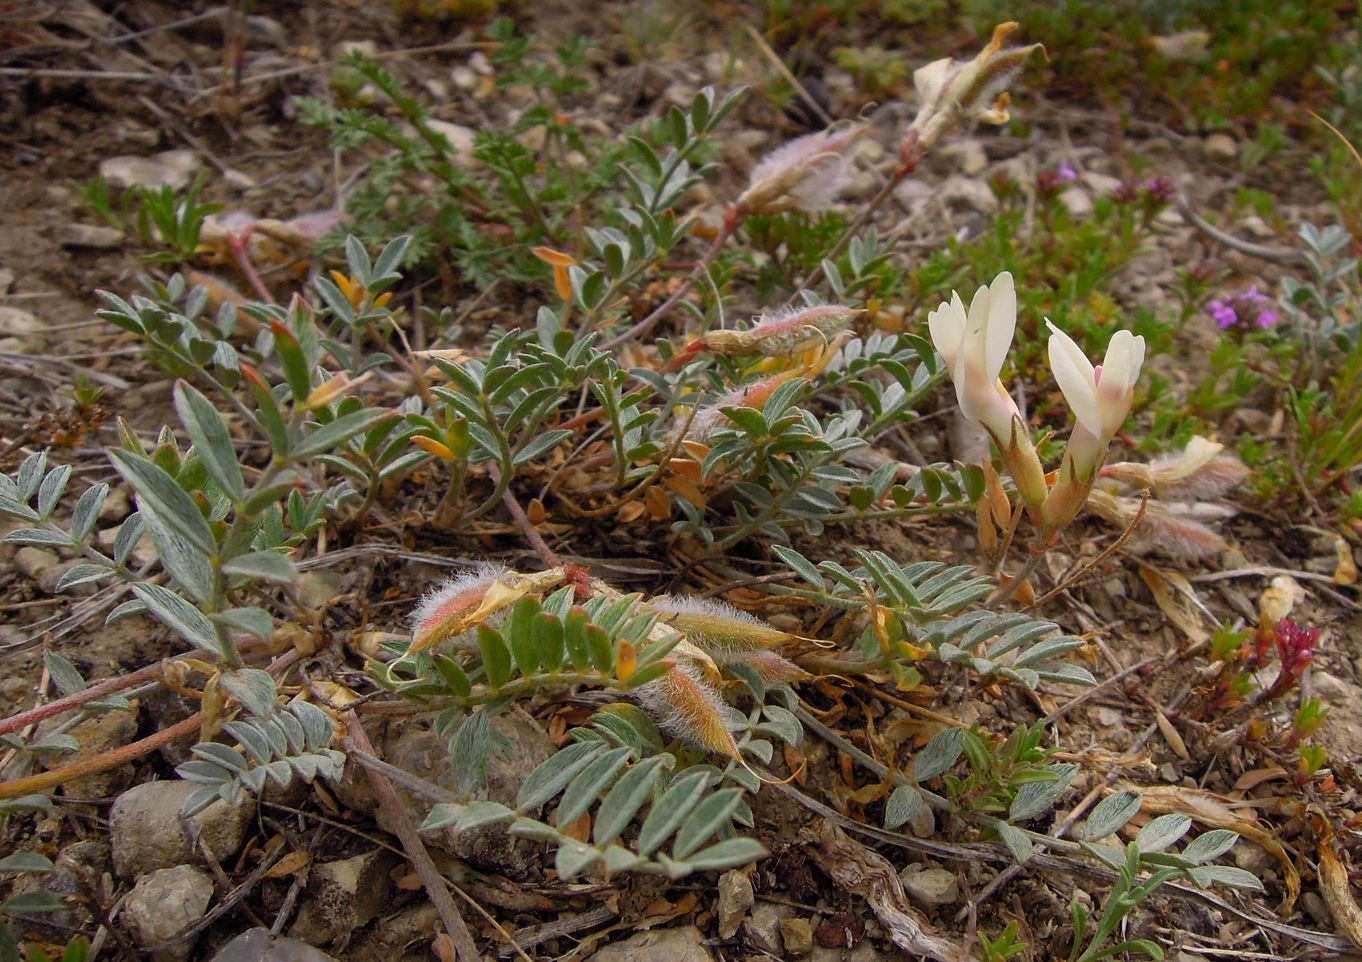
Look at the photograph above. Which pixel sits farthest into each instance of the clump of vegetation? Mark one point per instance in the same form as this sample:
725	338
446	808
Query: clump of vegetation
723	391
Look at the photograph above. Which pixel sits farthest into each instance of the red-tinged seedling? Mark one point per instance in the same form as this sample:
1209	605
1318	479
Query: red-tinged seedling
1295	648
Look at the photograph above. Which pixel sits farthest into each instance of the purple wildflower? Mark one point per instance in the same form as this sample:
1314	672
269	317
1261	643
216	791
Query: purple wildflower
1066	174
1161	190
1242	310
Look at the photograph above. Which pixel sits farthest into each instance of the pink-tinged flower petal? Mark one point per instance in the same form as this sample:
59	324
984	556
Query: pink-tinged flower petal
1074	374
1125	357
442	609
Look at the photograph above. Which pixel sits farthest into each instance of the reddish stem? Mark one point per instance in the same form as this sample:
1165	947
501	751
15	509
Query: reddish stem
46	781
522	521
732	221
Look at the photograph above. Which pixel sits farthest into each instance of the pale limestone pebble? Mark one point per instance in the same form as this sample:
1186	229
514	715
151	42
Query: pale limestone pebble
91	237
735	898
164	903
146	833
171	168
797	934
683	944
96	735
342	896
931	887
1220	146
969	193
256	945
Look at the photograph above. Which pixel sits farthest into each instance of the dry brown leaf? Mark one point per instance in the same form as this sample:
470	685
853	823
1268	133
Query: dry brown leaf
659	505
1258	776
1334	887
1175	597
1171	736
410	882
443	947
1346	572
631	511
290	863
1217	811
579	828
686	488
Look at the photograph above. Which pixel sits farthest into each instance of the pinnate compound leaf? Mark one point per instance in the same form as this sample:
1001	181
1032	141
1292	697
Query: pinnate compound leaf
553	775
211	439
671	809
625	798
590	784
708	817
171	503
189	622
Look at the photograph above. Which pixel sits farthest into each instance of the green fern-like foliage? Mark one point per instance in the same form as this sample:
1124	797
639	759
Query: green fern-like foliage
615	769
926	604
275	748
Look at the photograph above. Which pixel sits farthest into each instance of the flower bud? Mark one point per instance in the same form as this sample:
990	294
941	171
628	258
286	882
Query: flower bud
806	174
952	91
778	334
441	613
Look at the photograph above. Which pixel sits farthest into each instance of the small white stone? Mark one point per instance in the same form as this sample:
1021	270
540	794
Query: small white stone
1220	147
165	903
1076	201
93	236
932	886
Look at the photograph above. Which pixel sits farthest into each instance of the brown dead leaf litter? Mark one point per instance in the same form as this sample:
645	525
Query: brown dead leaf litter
83	83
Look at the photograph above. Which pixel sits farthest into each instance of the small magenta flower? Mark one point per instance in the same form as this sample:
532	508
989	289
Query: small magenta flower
1066	174
1161	190
1243	311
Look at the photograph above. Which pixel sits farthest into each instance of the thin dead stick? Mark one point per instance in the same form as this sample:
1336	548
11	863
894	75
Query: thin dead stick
1280	255
400	818
1091	566
1012	871
784	71
55	74
108	686
46	781
1093	692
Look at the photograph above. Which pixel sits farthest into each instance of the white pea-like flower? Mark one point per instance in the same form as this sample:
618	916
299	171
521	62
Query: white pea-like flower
1100	397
